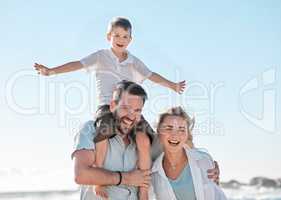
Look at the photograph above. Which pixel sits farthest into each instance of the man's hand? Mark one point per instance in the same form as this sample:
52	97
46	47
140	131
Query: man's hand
41	69
179	87
214	174
138	178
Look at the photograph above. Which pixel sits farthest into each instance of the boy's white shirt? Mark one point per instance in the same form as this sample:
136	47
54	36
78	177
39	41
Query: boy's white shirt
199	162
108	71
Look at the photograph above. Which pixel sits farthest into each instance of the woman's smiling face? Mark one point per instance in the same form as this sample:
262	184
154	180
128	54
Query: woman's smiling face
173	133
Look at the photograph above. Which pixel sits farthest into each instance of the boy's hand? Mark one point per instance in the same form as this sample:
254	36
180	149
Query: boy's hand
179	87
41	69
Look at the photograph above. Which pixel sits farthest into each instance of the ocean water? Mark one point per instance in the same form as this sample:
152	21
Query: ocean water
253	193
47	195
40	184
242	194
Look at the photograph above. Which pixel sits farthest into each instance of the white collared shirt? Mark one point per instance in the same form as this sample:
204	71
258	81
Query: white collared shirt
199	162
108	71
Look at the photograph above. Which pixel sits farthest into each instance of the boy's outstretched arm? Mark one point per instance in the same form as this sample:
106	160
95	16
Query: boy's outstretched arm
177	87
68	67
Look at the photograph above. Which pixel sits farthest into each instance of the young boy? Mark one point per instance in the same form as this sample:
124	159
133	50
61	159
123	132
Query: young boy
111	66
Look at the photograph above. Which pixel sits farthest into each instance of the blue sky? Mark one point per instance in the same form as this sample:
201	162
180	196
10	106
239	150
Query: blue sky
211	44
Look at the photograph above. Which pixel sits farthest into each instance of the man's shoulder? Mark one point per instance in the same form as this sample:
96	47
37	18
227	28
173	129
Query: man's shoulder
84	139
88	127
87	131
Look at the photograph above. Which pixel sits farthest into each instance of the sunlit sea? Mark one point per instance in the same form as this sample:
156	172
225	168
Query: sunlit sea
74	195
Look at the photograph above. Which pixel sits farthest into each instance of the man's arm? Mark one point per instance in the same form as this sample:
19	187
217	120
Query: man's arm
68	67
177	87
214	174
86	174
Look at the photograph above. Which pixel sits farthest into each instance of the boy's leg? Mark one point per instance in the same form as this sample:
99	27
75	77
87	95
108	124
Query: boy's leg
144	159
104	124
104	129
100	152
101	149
144	139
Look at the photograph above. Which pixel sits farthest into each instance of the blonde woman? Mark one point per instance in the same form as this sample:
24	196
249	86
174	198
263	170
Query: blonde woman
180	173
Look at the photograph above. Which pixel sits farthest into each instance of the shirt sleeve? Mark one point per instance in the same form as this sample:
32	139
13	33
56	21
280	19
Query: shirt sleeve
206	162
90	62
84	138
142	71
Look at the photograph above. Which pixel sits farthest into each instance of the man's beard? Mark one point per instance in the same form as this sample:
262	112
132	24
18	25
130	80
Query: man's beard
118	125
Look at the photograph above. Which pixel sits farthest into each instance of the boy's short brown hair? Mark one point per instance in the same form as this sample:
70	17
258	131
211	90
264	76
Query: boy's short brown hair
120	22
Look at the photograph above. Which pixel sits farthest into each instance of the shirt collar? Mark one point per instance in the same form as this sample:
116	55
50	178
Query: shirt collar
120	138
129	59
193	154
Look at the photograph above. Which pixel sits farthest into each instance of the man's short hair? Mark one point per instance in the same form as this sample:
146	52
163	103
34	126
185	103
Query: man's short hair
130	87
120	22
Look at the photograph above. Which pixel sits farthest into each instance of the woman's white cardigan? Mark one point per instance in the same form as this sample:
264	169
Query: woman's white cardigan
199	162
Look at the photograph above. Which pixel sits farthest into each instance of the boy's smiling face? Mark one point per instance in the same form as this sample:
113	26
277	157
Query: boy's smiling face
119	39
